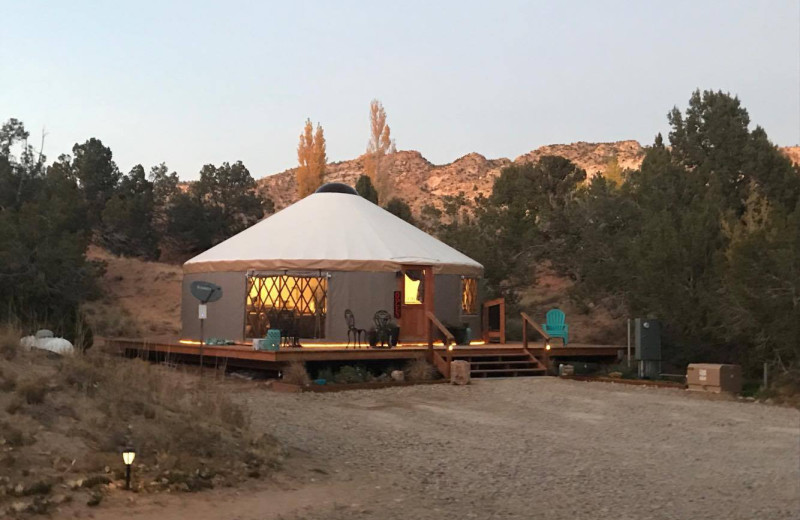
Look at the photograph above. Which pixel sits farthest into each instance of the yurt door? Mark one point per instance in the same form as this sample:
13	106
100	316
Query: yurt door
416	291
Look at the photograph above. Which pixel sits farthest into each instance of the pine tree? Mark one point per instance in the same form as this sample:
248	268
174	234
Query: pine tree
398	207
128	218
365	188
97	175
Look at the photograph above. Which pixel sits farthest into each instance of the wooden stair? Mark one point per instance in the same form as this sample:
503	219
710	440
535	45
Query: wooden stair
500	364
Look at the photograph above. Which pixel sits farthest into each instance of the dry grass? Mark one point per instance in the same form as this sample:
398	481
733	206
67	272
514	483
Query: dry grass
109	321
9	342
419	370
296	374
68	417
33	390
128	311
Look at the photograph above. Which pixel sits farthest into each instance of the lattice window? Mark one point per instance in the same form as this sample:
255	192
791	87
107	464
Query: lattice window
469	296
306	297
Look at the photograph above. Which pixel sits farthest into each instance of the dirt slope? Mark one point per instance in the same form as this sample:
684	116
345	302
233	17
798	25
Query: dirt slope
140	299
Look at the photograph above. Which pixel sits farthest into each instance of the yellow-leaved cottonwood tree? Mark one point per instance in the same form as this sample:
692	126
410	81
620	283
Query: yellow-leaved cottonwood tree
613	171
312	158
380	143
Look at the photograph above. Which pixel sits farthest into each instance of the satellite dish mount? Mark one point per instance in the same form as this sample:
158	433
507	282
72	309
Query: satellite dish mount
205	292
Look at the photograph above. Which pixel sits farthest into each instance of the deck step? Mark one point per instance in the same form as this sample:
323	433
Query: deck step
507	370
514	362
489	354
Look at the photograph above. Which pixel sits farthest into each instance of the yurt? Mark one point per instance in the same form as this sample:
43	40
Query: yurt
330	253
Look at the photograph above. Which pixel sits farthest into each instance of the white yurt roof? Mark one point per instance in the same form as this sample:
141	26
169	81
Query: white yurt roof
332	231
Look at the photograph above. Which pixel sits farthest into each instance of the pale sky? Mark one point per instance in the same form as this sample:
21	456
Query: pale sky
190	83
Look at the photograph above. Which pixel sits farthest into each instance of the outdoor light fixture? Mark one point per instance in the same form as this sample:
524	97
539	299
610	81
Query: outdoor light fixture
547	346
450	346
128	454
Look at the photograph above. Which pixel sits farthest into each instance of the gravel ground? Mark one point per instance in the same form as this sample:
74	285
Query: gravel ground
542	448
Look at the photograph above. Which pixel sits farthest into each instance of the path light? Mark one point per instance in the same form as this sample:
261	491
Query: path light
128	454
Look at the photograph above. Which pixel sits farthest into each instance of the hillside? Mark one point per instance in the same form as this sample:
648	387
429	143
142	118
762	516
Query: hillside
65	420
140	298
420	182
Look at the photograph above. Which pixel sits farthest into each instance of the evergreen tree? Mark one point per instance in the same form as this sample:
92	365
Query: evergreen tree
165	189
97	175
43	240
127	227
365	188
222	203
399	208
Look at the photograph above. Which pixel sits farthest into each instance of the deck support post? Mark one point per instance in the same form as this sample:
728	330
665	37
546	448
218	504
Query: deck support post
429	303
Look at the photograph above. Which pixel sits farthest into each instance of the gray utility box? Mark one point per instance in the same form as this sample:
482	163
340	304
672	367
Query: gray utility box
648	347
648	339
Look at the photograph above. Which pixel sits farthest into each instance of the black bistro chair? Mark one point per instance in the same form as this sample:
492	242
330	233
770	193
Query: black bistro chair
356	333
287	323
383	326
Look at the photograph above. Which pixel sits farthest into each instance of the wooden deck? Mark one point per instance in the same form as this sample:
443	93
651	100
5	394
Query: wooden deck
245	356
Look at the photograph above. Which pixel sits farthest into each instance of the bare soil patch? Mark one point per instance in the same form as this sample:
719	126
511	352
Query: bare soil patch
516	448
544	448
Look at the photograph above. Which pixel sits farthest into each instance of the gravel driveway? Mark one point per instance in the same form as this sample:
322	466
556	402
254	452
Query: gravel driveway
542	448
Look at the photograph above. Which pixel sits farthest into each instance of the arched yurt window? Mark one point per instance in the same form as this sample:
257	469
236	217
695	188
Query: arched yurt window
305	297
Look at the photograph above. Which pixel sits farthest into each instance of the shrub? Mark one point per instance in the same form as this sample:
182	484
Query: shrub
14	406
7	382
296	374
9	342
326	373
33	390
419	370
110	321
348	374
13	436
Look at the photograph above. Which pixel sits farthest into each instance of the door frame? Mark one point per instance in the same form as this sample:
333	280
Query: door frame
427	302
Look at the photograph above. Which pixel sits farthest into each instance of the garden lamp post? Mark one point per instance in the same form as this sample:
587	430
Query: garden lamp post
128	454
547	357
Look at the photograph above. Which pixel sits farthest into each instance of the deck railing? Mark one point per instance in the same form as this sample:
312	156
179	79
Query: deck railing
441	364
491	335
527	321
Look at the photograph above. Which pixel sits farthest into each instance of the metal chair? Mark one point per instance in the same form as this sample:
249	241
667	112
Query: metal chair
356	333
287	323
383	326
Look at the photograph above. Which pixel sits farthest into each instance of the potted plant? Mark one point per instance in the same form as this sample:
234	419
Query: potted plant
394	335
461	333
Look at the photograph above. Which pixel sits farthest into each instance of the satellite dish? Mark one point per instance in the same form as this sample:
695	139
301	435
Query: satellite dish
206	291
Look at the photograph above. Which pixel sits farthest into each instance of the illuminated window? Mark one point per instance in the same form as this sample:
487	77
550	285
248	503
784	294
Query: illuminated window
414	287
273	299
469	296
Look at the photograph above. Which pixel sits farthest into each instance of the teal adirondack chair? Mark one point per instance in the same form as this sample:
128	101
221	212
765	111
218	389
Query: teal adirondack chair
556	325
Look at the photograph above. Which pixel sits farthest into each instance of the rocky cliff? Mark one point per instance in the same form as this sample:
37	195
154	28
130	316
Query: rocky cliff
419	182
